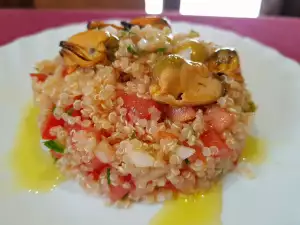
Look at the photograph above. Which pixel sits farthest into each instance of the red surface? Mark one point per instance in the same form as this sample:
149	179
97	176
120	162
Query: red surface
280	33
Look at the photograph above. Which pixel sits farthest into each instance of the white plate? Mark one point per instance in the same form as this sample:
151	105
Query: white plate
270	199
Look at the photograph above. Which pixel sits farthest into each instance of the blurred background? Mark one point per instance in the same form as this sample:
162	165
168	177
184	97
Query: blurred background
225	8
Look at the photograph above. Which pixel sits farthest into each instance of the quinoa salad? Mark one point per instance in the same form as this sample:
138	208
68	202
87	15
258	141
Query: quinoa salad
134	112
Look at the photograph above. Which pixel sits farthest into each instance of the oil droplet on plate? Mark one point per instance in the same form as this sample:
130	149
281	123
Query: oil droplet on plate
254	151
33	169
201	209
206	208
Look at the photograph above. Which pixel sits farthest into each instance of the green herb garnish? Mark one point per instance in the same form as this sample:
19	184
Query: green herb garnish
161	50
70	111
193	34
125	196
252	107
131	33
54	107
108	176
131	49
123	33
132	135
55	146
187	161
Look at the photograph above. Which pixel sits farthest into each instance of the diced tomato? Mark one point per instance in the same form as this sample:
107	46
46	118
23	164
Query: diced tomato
95	175
76	113
98	168
219	119
72	112
117	192
138	107
98	165
56	155
212	138
180	114
75	127
67	70
40	76
170	186
50	122
128	178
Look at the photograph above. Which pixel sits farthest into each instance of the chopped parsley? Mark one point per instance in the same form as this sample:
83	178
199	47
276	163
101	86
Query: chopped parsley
131	33
70	111
108	176
132	135
127	32
193	34
252	107
125	196
54	107
187	161
55	146
131	49
161	50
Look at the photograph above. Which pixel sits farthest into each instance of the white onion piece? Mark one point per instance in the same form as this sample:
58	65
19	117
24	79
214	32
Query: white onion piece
153	174
104	152
141	159
142	44
184	152
136	154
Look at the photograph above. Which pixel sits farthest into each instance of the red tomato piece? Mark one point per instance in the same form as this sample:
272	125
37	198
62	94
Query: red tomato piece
98	168
212	138
67	70
56	155
128	178
50	122
219	119
170	186
40	76
117	192
138	107
98	165
72	112
180	114
95	175
75	127
76	113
